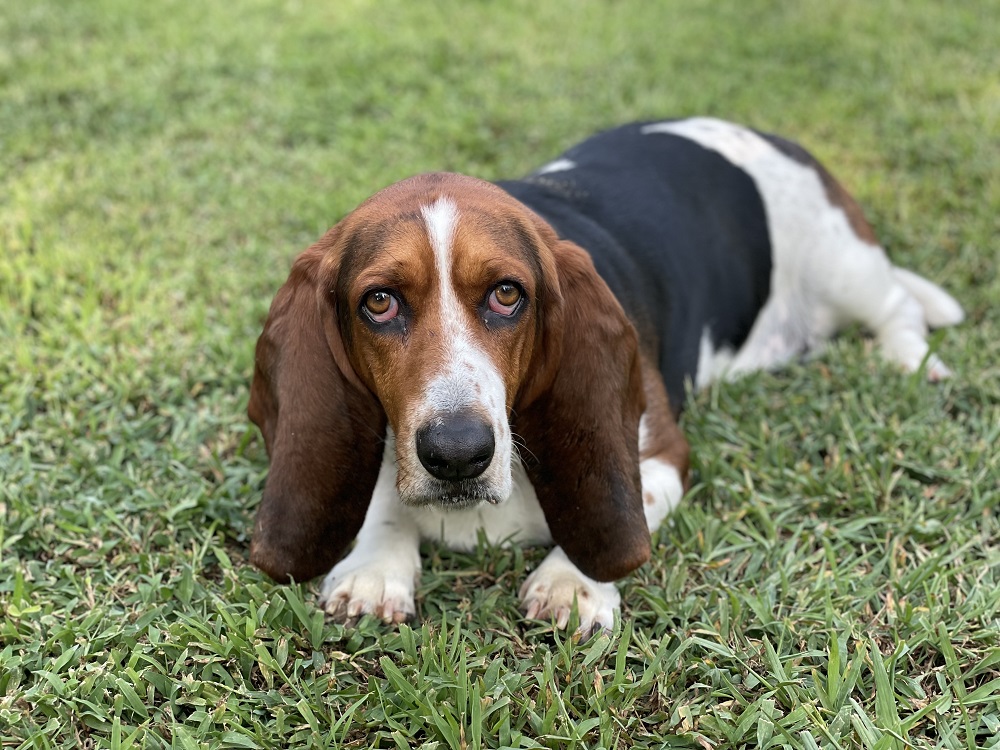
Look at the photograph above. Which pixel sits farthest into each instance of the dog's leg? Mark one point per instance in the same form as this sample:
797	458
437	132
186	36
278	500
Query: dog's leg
552	588
663	451
898	306
861	286
901	329
379	574
911	305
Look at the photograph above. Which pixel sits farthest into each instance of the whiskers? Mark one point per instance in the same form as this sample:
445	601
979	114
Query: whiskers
518	444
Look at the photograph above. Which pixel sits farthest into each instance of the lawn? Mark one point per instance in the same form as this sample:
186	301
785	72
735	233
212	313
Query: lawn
833	578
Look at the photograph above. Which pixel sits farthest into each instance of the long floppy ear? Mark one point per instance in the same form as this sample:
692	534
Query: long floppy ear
323	430
579	419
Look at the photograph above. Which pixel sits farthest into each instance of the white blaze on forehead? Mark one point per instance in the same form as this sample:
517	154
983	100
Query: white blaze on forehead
440	218
454	387
468	378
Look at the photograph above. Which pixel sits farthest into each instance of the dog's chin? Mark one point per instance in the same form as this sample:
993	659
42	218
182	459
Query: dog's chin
459	495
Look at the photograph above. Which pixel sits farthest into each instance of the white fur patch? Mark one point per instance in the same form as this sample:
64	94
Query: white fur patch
559	165
713	364
662	490
518	519
441	218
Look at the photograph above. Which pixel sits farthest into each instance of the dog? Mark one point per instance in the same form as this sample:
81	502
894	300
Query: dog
458	357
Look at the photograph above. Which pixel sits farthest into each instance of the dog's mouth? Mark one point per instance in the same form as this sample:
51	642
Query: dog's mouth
457	495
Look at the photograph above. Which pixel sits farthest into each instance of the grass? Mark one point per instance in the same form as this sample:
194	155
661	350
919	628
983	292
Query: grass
833	579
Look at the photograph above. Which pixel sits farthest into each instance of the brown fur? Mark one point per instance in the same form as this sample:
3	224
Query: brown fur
312	419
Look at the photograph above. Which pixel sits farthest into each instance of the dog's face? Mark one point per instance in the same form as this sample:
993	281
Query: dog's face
446	310
438	306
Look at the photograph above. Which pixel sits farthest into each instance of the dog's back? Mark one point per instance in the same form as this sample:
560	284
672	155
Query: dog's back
676	230
731	250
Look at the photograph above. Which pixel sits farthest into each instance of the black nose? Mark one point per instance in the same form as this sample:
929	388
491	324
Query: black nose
457	446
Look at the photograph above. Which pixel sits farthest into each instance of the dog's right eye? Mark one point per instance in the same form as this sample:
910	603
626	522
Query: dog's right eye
381	306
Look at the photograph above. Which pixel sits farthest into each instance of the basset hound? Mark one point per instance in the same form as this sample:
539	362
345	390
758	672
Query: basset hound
458	356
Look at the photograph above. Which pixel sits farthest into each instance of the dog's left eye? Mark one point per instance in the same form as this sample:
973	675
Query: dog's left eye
504	298
381	306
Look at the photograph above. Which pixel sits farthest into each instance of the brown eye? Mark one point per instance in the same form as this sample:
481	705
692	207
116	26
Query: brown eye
381	306
504	298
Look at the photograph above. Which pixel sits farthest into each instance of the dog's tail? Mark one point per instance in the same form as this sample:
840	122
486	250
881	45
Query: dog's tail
940	308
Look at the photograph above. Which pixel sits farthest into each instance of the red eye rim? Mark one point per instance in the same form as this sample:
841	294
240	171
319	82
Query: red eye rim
501	292
381	306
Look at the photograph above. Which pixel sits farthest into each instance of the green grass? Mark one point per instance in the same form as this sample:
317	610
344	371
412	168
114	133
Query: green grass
833	579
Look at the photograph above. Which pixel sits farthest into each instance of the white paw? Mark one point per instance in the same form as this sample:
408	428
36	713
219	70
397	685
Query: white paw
550	591
904	339
937	370
374	587
911	353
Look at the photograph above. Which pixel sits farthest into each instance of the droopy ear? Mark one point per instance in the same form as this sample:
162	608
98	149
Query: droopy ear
323	431
579	419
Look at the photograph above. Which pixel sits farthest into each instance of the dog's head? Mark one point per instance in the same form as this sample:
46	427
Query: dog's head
446	308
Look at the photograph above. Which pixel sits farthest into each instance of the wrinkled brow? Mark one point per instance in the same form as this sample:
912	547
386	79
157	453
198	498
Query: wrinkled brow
366	242
509	233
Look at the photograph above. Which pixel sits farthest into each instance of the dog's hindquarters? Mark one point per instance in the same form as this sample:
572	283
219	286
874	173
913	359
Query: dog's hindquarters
828	269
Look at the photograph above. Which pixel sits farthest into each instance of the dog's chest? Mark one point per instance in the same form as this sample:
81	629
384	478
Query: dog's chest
519	519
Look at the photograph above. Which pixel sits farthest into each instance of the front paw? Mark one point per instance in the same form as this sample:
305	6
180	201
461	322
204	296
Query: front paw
351	591
549	592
